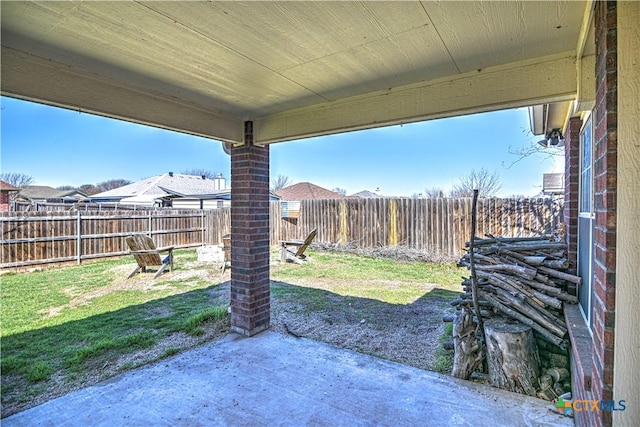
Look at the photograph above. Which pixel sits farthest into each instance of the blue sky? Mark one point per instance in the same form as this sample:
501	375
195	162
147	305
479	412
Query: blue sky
63	147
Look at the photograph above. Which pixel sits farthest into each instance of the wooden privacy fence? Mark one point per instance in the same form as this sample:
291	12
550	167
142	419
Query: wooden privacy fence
30	238
437	226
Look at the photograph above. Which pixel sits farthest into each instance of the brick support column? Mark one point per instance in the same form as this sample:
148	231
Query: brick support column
571	187
250	292
605	192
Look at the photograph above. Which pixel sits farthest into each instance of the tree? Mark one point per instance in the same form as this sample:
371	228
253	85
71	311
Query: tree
89	189
340	191
434	193
112	184
533	149
15	179
200	172
65	187
280	182
487	183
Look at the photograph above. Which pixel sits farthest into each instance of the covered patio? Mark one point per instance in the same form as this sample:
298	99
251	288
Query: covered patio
255	73
272	379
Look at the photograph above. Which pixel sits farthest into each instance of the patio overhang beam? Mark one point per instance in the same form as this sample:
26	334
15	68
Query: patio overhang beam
30	77
544	80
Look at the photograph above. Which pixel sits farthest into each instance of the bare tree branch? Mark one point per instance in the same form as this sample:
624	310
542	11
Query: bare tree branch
533	149
15	179
487	183
434	193
112	184
200	172
280	182
89	189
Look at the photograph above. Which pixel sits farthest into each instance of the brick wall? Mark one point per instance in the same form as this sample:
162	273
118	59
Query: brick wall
605	180
4	201
580	337
250	292
571	189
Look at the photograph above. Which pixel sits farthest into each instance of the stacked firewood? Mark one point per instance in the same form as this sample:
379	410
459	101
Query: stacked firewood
524	279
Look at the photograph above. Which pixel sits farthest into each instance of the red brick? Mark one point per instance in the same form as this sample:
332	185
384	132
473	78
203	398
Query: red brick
250	285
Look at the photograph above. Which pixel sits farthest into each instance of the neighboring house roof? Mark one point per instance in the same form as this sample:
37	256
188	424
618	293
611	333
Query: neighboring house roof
161	186
38	192
306	191
220	195
7	187
44	192
366	194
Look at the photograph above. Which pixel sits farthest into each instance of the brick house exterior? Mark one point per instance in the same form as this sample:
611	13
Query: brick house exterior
594	347
606	352
5	195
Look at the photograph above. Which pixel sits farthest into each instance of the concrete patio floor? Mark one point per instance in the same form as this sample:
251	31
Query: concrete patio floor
272	379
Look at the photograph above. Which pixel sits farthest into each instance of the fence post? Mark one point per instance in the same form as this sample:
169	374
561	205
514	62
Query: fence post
344	223
202	225
79	240
393	222
150	224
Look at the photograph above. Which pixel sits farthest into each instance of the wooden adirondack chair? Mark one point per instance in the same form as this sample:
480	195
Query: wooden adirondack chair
146	254
293	250
226	247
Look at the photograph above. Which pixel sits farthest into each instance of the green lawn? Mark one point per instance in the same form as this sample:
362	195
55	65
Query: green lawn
63	325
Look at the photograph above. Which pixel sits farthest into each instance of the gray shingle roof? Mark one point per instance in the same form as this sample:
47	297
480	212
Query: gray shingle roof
366	194
40	192
156	186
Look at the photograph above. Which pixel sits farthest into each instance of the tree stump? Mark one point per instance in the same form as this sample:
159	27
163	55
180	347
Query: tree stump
512	355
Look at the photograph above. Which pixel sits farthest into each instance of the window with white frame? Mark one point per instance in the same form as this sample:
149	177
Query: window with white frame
586	166
586	220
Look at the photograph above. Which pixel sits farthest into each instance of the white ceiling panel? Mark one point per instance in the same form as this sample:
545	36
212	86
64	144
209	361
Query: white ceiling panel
412	56
487	33
246	60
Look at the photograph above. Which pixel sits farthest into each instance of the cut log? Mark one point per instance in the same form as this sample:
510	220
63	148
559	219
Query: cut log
558	374
467	356
558	360
523	247
448	318
479	241
558	264
534	260
548	300
547	390
537	314
561	275
551	290
527	273
512	356
524	319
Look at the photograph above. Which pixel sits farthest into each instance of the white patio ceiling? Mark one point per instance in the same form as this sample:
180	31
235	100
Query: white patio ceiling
296	69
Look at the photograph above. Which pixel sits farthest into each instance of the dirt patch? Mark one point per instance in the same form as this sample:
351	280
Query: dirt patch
398	253
139	282
404	333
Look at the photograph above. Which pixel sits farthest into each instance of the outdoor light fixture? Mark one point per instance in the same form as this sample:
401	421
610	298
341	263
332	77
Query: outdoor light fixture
552	139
